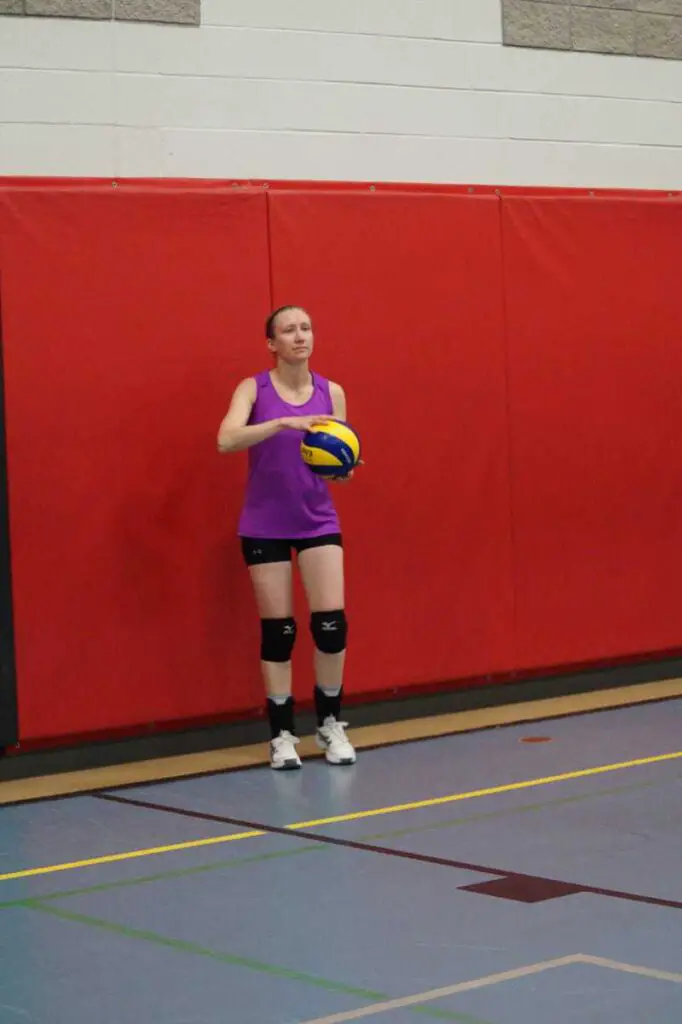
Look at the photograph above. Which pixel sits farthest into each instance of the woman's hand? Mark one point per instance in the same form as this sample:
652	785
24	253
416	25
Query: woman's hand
346	478
302	423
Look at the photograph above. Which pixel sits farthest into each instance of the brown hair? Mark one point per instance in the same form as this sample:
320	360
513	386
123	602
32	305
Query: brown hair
270	322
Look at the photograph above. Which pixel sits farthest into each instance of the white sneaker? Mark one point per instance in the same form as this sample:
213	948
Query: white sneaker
331	737
283	752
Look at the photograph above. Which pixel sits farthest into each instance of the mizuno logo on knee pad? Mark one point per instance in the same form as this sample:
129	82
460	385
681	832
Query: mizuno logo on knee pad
277	639
329	631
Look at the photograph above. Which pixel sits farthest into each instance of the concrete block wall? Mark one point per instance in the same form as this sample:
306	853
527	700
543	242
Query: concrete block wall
644	28
359	90
169	12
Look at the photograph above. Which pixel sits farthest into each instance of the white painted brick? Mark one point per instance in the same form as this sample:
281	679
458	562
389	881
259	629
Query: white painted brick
253	53
374	158
53	43
230	101
597	121
57	97
236	53
60	150
468	20
138	152
207	103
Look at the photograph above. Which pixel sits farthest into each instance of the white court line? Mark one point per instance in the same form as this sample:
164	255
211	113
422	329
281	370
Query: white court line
495	979
646	972
440	993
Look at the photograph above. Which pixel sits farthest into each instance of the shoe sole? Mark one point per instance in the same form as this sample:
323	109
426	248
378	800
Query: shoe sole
286	766
330	760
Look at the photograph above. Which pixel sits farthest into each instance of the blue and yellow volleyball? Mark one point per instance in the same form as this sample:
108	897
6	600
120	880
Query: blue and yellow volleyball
331	448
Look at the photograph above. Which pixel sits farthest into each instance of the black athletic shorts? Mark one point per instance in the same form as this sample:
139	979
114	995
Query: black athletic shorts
259	551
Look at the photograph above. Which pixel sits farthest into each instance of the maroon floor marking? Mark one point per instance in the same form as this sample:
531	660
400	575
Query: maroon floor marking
506	887
524	889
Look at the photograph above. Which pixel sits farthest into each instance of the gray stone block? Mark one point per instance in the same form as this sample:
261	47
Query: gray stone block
659	36
102	9
11	6
546	25
600	31
168	12
660	6
614	5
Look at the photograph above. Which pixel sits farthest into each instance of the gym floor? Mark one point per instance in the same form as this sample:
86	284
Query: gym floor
527	872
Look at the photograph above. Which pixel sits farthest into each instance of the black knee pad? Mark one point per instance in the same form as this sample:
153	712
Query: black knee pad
277	639
330	631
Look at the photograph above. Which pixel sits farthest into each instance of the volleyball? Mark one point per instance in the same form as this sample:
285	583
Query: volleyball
331	448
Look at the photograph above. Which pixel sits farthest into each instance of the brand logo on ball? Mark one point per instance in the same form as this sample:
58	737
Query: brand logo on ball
331	447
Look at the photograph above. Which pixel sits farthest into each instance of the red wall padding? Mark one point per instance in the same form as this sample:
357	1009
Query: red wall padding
512	366
405	295
594	321
127	320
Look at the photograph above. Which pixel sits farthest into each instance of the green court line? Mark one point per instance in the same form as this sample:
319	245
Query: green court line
163	876
523	809
39	903
259	966
311	848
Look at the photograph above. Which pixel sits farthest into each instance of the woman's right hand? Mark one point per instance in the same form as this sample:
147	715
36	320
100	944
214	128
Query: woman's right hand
302	423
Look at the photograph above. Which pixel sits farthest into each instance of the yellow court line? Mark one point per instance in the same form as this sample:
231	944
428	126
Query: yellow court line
416	805
110	858
507	788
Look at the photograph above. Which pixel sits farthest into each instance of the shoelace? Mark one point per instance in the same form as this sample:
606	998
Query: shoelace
336	730
285	737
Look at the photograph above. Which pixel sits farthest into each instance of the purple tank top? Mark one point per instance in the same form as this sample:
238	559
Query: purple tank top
284	499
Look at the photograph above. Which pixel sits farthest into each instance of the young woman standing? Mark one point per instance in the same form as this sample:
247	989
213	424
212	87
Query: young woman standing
287	506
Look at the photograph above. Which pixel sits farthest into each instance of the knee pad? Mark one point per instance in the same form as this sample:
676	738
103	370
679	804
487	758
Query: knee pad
277	639
330	631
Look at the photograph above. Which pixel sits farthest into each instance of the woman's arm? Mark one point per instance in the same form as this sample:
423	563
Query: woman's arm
338	396
340	411
235	434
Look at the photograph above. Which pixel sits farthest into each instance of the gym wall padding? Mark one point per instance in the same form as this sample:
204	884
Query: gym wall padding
128	317
594	328
405	294
511	363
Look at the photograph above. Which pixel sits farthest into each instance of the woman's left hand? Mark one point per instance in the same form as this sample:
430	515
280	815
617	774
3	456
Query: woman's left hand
346	478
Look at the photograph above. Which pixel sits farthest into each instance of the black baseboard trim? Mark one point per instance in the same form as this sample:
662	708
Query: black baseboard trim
237	734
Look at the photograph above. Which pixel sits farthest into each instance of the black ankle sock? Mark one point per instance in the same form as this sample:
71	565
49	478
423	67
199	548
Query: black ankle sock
281	716
325	706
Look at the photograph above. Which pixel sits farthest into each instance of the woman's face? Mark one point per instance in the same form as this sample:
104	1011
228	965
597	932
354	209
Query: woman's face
293	336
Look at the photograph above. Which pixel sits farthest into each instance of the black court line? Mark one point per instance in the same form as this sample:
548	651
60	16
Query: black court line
510	885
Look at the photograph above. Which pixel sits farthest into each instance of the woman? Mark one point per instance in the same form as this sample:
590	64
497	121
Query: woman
287	506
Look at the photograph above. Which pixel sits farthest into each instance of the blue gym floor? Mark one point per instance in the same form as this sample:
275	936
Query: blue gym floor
517	887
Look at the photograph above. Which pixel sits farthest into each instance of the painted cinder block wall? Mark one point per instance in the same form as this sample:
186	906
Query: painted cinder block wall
474	91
